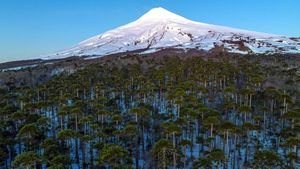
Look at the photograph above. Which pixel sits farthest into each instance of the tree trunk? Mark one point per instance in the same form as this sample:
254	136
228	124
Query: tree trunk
294	161
227	142
164	159
137	152
174	153
92	156
185	158
211	129
83	156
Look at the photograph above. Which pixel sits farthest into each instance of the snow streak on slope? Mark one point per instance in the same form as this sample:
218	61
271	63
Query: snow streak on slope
160	29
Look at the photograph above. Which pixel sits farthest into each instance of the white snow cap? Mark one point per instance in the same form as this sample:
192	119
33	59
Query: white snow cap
159	13
160	28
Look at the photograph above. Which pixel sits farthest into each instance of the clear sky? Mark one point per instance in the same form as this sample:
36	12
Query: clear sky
30	28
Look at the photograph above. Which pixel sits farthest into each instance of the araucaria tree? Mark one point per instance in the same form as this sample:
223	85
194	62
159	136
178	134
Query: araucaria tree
171	112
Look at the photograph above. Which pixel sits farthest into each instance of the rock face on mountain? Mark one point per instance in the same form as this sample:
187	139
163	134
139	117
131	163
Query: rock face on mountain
160	29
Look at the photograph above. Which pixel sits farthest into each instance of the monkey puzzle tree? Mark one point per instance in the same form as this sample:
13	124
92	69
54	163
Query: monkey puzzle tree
162	151
267	160
113	156
26	160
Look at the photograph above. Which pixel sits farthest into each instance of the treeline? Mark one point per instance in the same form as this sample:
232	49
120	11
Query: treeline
179	114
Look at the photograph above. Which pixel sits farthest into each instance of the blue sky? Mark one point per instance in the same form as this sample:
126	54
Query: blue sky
30	28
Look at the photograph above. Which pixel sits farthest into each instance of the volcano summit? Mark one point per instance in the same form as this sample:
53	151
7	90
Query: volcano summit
161	29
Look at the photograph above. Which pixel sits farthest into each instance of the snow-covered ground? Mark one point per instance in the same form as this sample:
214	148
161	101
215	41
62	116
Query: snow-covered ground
160	28
17	68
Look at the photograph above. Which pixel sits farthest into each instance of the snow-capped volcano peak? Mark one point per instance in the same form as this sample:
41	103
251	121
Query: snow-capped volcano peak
161	14
160	28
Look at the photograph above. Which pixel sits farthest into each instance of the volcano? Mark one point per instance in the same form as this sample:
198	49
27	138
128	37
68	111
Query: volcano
161	29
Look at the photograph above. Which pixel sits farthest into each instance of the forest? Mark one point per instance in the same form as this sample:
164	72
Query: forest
180	113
